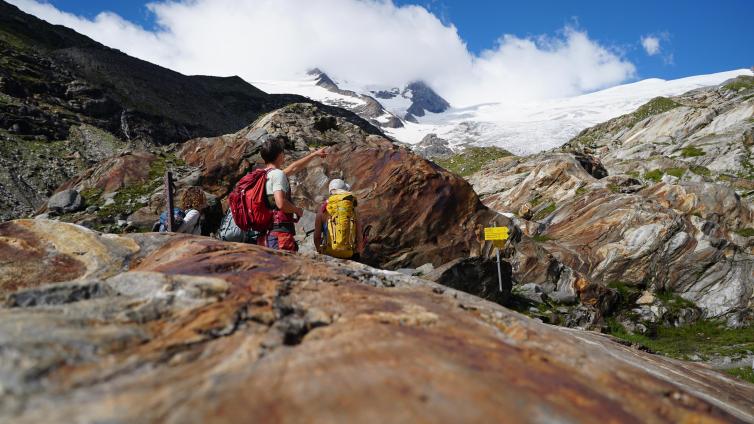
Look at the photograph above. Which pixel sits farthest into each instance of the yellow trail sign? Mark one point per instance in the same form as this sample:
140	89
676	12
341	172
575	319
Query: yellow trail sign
496	233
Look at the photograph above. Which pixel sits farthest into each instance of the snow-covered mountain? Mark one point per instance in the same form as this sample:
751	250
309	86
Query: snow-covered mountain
410	113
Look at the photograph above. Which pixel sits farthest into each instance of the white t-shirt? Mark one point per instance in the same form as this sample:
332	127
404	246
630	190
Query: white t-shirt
191	223
277	181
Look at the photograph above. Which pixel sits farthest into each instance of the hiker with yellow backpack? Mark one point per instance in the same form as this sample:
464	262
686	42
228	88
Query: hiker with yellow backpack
337	221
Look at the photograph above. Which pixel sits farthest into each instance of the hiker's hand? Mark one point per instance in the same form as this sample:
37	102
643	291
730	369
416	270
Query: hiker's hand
321	152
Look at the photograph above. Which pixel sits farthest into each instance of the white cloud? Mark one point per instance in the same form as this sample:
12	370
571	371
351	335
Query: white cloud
651	44
362	41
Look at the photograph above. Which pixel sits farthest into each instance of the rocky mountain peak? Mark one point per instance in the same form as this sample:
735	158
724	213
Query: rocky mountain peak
423	99
323	80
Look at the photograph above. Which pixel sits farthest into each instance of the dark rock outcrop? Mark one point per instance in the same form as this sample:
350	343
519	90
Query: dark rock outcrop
433	147
476	275
423	99
175	328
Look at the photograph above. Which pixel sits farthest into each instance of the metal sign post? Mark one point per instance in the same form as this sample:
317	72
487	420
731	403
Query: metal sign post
169	198
497	235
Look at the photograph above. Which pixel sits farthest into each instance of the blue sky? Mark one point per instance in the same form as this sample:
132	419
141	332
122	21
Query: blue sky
695	37
471	52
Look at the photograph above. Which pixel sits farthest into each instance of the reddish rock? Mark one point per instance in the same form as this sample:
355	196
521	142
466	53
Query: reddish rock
205	331
115	173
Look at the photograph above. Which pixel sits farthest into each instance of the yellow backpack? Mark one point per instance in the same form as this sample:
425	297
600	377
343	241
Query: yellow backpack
341	227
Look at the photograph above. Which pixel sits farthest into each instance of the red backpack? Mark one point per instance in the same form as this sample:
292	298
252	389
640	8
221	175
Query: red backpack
248	204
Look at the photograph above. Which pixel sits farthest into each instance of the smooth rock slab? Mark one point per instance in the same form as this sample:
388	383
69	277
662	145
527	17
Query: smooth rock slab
263	336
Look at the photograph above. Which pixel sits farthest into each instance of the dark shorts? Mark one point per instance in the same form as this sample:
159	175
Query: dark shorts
281	241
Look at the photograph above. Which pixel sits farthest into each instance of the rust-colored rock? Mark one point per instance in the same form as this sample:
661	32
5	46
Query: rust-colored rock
419	212
205	331
115	173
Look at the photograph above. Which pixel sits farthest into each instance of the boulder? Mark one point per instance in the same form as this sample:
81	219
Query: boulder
478	276
177	328
65	201
531	292
419	212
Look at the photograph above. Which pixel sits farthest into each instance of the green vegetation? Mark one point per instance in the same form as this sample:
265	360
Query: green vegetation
674	302
615	188
743	82
653	175
676	172
580	191
745	232
653	107
472	159
129	199
744	373
700	170
535	201
691	151
543	213
633	174
627	294
706	339
541	238
13	40
91	195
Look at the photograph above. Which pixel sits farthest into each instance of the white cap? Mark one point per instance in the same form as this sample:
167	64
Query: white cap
338	184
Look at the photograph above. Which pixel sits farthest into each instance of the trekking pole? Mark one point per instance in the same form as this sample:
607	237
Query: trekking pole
169	197
499	274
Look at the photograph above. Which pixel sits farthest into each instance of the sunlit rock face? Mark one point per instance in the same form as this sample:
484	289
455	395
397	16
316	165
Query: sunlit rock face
176	328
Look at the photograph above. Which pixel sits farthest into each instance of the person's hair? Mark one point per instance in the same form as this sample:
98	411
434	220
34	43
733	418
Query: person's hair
194	198
272	148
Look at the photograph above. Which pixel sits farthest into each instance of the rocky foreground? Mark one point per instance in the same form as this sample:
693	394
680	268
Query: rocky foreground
171	328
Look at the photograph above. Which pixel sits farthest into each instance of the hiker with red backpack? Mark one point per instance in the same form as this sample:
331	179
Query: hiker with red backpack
261	201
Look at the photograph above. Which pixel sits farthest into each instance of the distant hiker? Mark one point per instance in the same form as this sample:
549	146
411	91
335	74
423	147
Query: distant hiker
338	222
229	231
188	219
193	202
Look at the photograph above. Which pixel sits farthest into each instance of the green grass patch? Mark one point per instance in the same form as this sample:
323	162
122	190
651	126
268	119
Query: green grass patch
743	82
692	152
676	172
580	191
745	232
535	201
674	302
541	238
129	199
706	339
615	188
627	294
655	106
91	195
543	213
743	373
472	159
700	170
653	175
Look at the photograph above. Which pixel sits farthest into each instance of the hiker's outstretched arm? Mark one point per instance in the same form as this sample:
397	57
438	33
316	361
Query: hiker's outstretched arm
285	205
301	163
